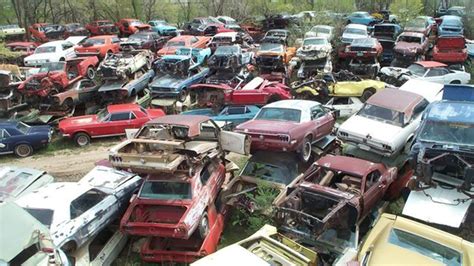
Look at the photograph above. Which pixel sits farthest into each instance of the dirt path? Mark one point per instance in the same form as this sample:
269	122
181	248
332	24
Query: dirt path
69	166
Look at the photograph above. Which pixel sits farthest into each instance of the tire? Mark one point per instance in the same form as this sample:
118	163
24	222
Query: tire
366	95
69	247
305	152
182	95
90	72
23	150
62	59
455	82
203	226
82	139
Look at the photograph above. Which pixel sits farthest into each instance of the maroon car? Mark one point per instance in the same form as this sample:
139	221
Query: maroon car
289	125
336	193
102	27
410	47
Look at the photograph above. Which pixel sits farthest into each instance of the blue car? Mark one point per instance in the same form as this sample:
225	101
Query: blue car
21	139
230	115
175	74
451	25
163	28
199	56
361	17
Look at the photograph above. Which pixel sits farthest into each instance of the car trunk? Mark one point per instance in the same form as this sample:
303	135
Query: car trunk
384	31
451	43
155	213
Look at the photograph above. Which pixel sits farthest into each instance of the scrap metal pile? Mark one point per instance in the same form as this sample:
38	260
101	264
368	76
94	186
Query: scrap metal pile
333	128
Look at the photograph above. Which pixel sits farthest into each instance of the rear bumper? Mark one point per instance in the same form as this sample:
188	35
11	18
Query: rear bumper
154	229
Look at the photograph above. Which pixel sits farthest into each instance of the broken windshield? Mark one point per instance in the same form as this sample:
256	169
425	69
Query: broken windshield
57	66
165	190
382	114
45	216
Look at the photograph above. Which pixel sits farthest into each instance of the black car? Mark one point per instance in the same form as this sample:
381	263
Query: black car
145	40
75	29
21	139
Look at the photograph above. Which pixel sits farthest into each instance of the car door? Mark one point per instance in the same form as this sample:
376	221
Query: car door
434	75
212	177
5	141
86	90
234	114
321	122
374	186
119	122
91	211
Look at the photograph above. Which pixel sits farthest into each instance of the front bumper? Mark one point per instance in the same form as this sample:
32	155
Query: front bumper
368	145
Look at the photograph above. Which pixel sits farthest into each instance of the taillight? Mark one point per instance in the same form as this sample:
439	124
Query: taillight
47	250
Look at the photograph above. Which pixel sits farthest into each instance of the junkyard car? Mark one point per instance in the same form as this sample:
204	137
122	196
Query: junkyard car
81	91
145	40
253	250
226	38
122	90
387	122
16	182
409	47
11	76
175	74
338	84
314	48
361	17
283	35
24	240
111	121
451	25
352	32
45	32
289	125
75	29
450	49
258	92
424	70
228	64
231	115
128	26
336	193
364	55
100	46
387	34
53	51
421	24
163	28
321	31
24	48
183	40
55	77
102	27
346	106
273	54
395	238
74	212
11	32
124	65
21	139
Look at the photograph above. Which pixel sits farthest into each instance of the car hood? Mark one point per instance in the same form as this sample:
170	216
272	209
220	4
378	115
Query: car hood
167	81
314	48
78	121
363	127
40	56
167	50
267	126
395	71
112	85
353	36
407	46
13	184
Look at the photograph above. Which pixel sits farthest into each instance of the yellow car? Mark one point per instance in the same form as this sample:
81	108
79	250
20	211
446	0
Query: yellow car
330	87
400	241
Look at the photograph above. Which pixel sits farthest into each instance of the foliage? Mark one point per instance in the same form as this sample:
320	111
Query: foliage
6	55
406	10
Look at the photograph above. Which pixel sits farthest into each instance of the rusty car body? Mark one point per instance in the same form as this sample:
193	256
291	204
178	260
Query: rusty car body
45	32
409	47
128	26
18	181
100	46
125	64
81	91
102	27
11	76
274	54
183	40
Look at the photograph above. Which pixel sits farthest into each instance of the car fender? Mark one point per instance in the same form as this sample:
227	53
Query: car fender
304	89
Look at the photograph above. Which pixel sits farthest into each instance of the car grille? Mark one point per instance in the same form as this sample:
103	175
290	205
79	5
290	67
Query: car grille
110	29
364	49
268	60
161	89
108	72
347	40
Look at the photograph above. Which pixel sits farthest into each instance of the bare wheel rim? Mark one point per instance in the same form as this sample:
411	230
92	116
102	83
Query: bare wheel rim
82	140
23	150
90	73
306	150
204	226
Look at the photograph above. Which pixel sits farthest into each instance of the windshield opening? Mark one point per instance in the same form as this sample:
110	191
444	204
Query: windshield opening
175	44
103	115
417	69
45	49
382	114
57	66
24	128
165	190
44	216
321	30
448	132
355	31
92	42
314	42
271	47
279	114
410	39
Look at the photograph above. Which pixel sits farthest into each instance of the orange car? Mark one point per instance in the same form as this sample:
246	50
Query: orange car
184	41
99	46
129	26
273	54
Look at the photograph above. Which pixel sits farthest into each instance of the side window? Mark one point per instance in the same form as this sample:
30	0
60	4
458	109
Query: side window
372	178
206	173
115	40
316	112
433	73
85	202
120	116
420	108
132	116
236	110
443	71
4	134
87	84
194	39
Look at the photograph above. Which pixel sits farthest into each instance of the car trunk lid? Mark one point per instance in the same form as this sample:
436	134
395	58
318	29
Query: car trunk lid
450	43
106	178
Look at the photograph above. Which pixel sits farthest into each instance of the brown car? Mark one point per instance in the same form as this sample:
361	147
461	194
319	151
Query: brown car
79	92
410	47
273	54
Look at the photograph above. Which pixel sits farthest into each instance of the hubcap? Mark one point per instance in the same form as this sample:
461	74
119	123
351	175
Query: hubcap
82	140
306	150
23	150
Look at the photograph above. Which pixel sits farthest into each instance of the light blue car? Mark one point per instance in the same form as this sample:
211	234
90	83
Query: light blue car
362	17
230	115
199	56
451	25
163	28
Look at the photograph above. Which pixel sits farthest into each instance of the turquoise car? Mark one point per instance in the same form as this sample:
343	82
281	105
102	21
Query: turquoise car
199	56
230	115
163	28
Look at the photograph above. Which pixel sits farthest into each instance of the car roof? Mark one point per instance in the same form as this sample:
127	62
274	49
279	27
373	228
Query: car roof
53	195
54	43
182	38
356	26
123	107
226	34
430	64
293	104
191	121
412	34
398	100
355	166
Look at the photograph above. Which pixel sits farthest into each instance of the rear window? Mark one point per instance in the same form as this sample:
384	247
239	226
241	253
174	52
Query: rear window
165	190
44	216
425	247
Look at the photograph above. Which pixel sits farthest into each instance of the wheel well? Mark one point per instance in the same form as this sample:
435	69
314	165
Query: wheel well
71	244
79	132
371	89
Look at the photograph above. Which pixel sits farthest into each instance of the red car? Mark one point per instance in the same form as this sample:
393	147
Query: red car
450	49
102	27
257	92
55	77
25	48
111	121
99	46
183	41
129	26
45	32
289	125
363	48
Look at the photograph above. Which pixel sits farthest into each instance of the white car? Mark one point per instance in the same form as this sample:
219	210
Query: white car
76	211
354	31
19	181
321	31
54	51
346	106
387	122
314	48
424	70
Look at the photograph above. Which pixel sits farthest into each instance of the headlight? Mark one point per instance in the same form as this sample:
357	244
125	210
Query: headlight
387	147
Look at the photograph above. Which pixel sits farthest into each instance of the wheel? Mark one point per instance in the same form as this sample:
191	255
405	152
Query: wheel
82	139
203	226
305	152
182	95
90	72
366	95
62	59
23	150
